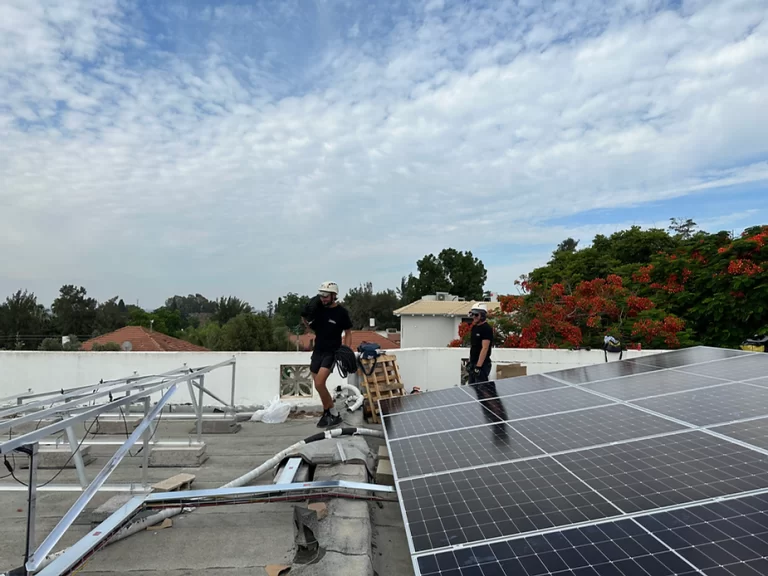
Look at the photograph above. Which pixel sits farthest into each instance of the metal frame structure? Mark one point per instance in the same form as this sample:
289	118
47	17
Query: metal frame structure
75	405
86	546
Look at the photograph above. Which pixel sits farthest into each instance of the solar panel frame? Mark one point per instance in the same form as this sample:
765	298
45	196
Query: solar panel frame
425	401
652	384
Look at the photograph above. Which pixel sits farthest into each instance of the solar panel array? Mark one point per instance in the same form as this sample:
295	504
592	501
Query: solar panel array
653	465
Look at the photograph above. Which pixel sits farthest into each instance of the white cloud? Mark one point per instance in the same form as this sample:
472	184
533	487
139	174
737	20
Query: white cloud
264	169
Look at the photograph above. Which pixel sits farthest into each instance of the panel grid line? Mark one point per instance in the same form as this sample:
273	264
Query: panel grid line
667	546
610	403
471	400
675	420
548	454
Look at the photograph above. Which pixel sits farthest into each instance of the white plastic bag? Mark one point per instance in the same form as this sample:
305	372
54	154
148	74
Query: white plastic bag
257	415
276	412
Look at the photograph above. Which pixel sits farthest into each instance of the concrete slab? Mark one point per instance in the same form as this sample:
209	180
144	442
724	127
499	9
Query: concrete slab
178	456
228	426
383	453
57	458
384	473
113	426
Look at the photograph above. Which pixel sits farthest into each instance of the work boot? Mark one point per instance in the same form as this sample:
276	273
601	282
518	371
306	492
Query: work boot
327	420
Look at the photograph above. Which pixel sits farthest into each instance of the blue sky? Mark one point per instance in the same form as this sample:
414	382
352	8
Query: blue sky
256	148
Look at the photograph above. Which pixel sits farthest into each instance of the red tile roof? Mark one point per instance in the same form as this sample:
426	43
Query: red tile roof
142	340
306	341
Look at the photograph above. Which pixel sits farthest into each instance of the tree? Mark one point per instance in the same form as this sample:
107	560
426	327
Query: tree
23	322
74	312
252	332
161	320
289	308
363	304
683	229
708	289
567	245
230	307
110	316
458	273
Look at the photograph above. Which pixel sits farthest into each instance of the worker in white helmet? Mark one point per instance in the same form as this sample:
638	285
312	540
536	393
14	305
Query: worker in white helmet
329	320
481	343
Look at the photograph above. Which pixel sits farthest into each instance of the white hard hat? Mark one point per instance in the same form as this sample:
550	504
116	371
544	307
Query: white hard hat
331	287
480	307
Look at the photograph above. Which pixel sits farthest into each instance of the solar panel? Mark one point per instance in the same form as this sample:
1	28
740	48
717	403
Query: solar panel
585	374
687	356
754	432
727	538
424	401
437	420
669	470
458	449
544	402
750	365
512	386
715	405
592	427
620	468
653	384
482	503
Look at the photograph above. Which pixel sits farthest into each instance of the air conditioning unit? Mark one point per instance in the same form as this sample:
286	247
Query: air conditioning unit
442	296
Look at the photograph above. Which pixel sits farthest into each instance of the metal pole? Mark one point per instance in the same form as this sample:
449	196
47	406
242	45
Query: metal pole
78	457
31	500
201	382
232	396
145	459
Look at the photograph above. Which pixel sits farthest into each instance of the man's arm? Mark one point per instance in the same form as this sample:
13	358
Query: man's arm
483	352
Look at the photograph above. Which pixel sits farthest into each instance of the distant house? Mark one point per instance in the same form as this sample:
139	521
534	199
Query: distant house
433	321
140	339
307	341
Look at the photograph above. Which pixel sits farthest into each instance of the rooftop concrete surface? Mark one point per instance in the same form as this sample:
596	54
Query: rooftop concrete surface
232	540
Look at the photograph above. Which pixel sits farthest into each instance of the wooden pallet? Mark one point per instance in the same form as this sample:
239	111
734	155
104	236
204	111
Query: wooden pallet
384	382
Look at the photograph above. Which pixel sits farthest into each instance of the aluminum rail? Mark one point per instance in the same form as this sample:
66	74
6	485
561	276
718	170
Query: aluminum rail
35	560
84	390
86	545
31	437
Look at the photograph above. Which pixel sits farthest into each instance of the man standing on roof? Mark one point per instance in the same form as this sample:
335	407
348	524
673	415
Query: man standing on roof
328	319
481	342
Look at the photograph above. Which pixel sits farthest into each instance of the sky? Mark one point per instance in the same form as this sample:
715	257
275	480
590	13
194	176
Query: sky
258	148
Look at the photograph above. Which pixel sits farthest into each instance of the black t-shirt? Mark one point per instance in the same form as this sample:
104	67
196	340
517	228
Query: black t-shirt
480	332
328	326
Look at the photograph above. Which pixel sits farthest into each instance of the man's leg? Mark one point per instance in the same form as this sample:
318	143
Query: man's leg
330	416
320	380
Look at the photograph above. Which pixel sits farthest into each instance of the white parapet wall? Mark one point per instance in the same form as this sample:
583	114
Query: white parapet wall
258	374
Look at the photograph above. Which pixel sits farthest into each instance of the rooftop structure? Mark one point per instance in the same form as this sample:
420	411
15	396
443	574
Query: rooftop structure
141	339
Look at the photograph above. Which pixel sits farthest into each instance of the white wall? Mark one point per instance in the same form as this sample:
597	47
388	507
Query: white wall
258	373
428	331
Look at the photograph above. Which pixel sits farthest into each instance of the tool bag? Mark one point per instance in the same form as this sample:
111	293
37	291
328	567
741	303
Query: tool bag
610	344
755	344
368	351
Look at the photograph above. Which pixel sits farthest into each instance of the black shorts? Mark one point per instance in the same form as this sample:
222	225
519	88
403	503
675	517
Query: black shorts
322	360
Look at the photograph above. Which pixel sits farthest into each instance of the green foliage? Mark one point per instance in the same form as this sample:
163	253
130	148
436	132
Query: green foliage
111	315
161	320
106	347
208	335
74	312
252	332
22	320
363	304
458	273
51	345
230	307
289	308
